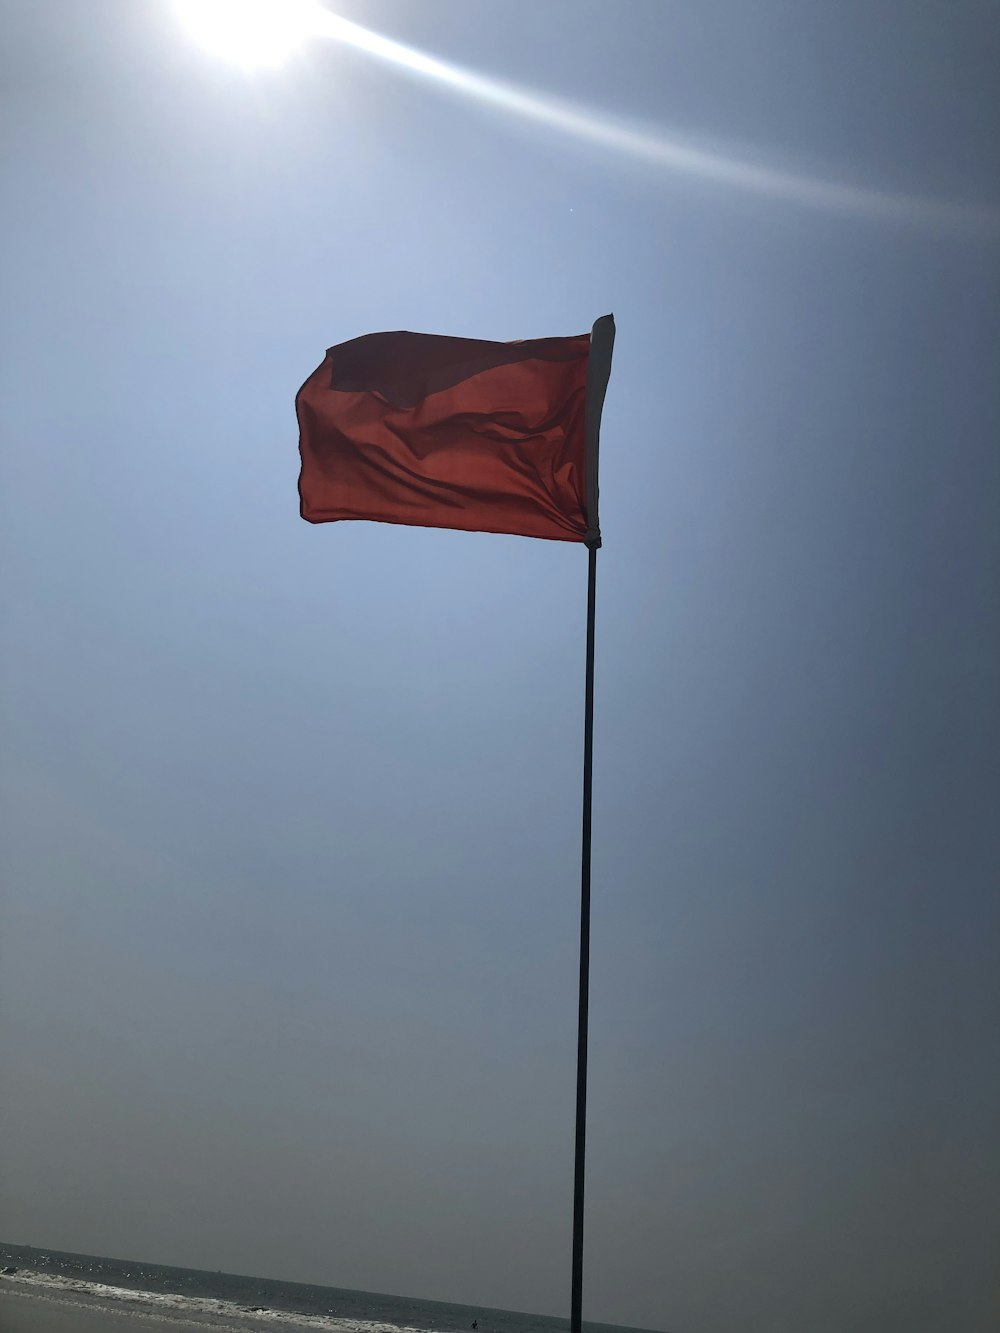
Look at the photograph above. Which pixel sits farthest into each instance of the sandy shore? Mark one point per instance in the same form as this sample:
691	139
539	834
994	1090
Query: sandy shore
20	1313
24	1310
38	1315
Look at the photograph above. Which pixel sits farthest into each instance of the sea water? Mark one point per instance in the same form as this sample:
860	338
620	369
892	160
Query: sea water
228	1300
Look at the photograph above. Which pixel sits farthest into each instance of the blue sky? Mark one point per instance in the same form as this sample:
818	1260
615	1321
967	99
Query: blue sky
290	814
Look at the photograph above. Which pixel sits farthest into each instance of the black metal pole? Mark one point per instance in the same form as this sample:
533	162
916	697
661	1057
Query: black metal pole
576	1305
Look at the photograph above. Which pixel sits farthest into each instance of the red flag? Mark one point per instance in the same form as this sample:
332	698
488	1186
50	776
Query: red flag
456	433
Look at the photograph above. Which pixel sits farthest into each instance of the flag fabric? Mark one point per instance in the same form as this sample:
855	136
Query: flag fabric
444	432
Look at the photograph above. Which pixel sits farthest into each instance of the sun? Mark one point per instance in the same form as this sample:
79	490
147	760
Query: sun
251	33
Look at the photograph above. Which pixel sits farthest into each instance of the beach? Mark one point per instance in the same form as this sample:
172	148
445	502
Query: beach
50	1291
27	1307
30	1313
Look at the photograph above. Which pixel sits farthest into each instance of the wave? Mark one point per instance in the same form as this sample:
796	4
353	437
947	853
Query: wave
196	1311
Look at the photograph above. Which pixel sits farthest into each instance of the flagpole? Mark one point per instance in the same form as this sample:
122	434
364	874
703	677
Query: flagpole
576	1302
602	343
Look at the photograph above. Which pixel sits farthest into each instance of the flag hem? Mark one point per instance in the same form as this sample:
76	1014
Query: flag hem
602	343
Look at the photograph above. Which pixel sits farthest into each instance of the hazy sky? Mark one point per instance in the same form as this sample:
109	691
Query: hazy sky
290	815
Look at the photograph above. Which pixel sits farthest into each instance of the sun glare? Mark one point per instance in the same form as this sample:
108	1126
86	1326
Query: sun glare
251	33
258	33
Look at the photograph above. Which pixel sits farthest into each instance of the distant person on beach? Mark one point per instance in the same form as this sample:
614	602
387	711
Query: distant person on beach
475	1323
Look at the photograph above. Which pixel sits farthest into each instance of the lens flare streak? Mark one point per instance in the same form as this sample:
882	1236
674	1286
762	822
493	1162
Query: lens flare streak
672	154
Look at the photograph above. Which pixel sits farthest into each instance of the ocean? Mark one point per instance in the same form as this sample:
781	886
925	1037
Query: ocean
155	1296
